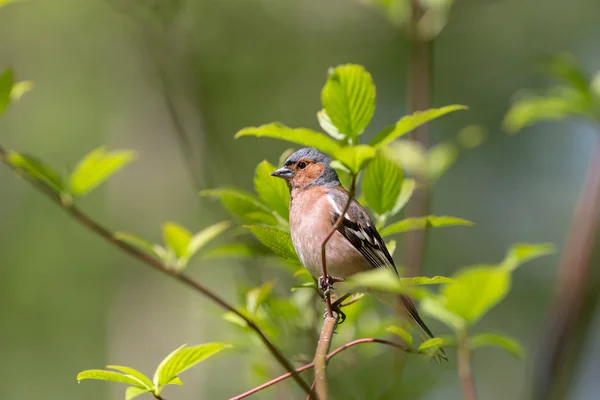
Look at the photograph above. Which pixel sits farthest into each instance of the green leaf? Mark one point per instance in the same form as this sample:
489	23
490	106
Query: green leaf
431	345
403	333
307	285
348	97
278	241
496	340
235	319
355	158
521	253
328	126
406	192
434	307
409	123
6	85
257	296
430	221
440	158
135	373
302	136
383	280
182	359
132	392
233	250
96	167
412	156
424	280
175	381
177	238
565	68
206	235
19	89
475	291
273	192
243	205
38	170
532	109
137	242
382	182
391	246
102	375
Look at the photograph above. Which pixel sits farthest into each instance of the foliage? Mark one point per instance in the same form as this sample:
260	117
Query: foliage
167	372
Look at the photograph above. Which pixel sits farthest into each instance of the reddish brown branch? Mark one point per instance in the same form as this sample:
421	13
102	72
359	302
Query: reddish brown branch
330	321
464	368
572	283
157	265
312	364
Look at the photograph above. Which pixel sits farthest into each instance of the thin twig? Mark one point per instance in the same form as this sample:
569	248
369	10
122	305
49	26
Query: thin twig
419	80
329	356
464	368
330	321
572	281
157	265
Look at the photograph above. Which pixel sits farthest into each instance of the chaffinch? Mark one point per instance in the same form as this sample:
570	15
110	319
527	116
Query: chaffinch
317	200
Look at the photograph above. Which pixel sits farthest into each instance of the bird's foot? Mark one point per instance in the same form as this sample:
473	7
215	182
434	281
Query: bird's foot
326	284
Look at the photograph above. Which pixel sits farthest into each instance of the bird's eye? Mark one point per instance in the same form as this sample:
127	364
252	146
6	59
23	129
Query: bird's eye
301	165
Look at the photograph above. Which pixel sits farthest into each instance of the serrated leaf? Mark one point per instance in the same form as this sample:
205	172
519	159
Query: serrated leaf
177	238
406	192
132	392
520	253
38	170
96	167
242	204
102	375
273	192
302	136
355	158
348	97
278	241
6	85
205	236
403	333
409	123
19	89
496	340
328	126
182	359
135	373
382	182
425	280
430	221
257	296
137	242
475	290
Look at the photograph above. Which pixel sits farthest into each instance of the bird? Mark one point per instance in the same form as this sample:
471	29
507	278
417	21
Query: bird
317	199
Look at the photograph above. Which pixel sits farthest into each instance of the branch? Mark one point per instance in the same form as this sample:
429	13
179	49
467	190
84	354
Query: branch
419	80
329	356
464	368
572	282
330	321
96	228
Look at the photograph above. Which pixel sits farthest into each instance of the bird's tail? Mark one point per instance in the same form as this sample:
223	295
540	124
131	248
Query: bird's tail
408	304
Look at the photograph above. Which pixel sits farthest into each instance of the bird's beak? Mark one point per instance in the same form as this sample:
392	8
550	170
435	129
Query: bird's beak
283	172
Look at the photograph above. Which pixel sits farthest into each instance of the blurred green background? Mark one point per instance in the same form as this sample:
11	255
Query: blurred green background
69	301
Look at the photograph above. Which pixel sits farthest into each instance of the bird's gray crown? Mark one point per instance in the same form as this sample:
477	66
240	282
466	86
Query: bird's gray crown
328	178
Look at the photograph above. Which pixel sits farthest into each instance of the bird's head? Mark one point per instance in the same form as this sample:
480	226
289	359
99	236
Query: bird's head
307	167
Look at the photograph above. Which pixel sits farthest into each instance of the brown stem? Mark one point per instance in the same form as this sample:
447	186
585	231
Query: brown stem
572	283
464	368
330	321
145	258
329	356
419	80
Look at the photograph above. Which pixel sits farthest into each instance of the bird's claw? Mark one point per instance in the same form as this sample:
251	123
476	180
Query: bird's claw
326	284
339	314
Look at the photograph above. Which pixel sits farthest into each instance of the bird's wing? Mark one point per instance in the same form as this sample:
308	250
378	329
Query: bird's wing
358	228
